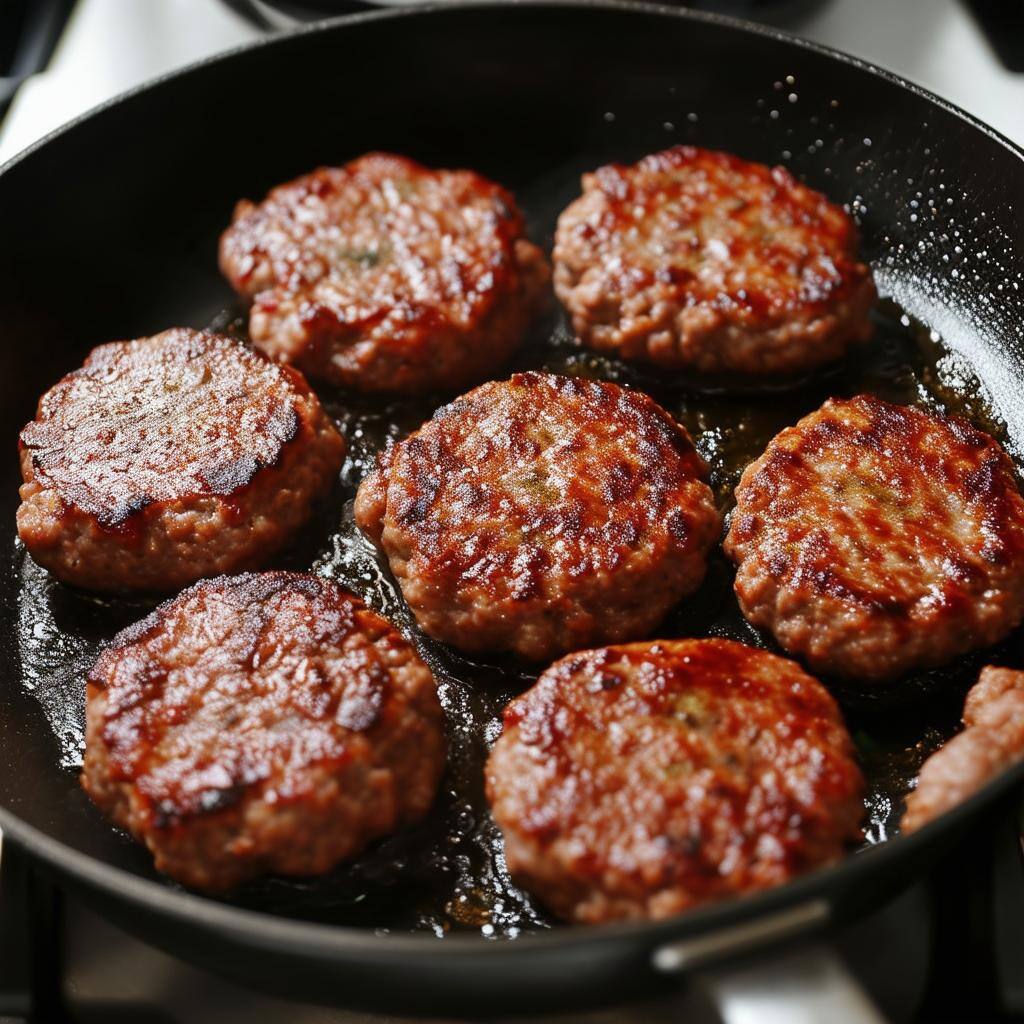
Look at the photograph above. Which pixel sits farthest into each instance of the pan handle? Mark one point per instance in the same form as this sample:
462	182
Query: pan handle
802	985
809	985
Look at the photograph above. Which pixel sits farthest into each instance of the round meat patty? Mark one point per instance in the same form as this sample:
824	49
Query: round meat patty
263	723
992	742
640	781
692	259
384	276
873	539
542	514
170	458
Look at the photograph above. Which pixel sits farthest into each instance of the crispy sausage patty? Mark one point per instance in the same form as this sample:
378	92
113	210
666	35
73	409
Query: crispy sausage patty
991	743
872	539
697	259
639	781
261	723
170	458
383	275
541	514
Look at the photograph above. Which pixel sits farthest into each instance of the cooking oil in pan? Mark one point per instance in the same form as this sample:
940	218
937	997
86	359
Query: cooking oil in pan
449	874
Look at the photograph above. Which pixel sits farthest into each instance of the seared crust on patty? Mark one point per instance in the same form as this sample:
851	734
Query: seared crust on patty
541	514
640	781
385	276
170	458
261	723
873	539
992	742
697	259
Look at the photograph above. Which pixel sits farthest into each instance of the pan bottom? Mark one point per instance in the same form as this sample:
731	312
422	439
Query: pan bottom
449	875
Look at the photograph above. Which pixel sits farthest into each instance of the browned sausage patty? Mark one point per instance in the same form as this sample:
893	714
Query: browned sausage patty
642	780
697	259
872	539
541	514
170	458
992	742
261	723
383	275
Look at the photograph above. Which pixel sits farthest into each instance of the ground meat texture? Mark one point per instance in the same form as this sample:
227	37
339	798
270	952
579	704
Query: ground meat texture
640	781
263	723
385	276
873	539
992	742
542	514
692	259
170	458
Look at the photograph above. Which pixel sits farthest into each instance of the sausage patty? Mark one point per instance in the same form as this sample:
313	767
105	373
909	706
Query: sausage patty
872	539
642	780
261	723
541	514
170	458
992	742
697	259
383	275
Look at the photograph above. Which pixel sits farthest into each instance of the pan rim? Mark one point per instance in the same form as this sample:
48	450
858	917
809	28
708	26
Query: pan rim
302	937
297	936
425	9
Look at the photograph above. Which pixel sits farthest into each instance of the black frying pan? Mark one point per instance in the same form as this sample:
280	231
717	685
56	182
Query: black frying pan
108	230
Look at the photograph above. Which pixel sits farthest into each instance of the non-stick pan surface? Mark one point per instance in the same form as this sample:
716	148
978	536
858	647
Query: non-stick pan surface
109	230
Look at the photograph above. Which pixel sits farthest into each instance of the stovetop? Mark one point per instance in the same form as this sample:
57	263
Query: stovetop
951	948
